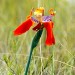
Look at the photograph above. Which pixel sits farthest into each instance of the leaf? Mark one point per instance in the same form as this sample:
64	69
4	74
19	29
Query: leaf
33	45
36	39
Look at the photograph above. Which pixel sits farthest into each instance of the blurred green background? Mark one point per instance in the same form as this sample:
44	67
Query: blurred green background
54	60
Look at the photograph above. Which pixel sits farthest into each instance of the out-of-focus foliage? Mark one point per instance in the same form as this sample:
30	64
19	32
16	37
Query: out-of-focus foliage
14	51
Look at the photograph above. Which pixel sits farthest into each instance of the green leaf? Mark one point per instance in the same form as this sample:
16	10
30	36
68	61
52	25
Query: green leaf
33	45
36	39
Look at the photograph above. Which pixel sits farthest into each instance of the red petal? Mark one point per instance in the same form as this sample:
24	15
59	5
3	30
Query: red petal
23	27
50	37
37	27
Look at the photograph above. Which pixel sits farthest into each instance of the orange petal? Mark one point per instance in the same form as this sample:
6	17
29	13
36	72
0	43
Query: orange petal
50	37
23	27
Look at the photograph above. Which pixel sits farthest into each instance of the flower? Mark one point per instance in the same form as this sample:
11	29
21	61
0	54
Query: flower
43	22
48	26
52	12
39	11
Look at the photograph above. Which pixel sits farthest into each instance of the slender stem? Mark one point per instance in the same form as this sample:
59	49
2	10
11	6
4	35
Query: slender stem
53	49
28	63
53	62
41	56
38	3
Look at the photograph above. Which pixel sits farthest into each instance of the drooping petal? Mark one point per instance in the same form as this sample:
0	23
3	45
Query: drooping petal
50	37
23	27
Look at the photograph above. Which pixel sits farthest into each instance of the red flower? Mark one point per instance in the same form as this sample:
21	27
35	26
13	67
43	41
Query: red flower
25	26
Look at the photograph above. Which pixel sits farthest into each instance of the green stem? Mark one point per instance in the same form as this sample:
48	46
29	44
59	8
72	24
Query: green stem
28	63
53	62
33	45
